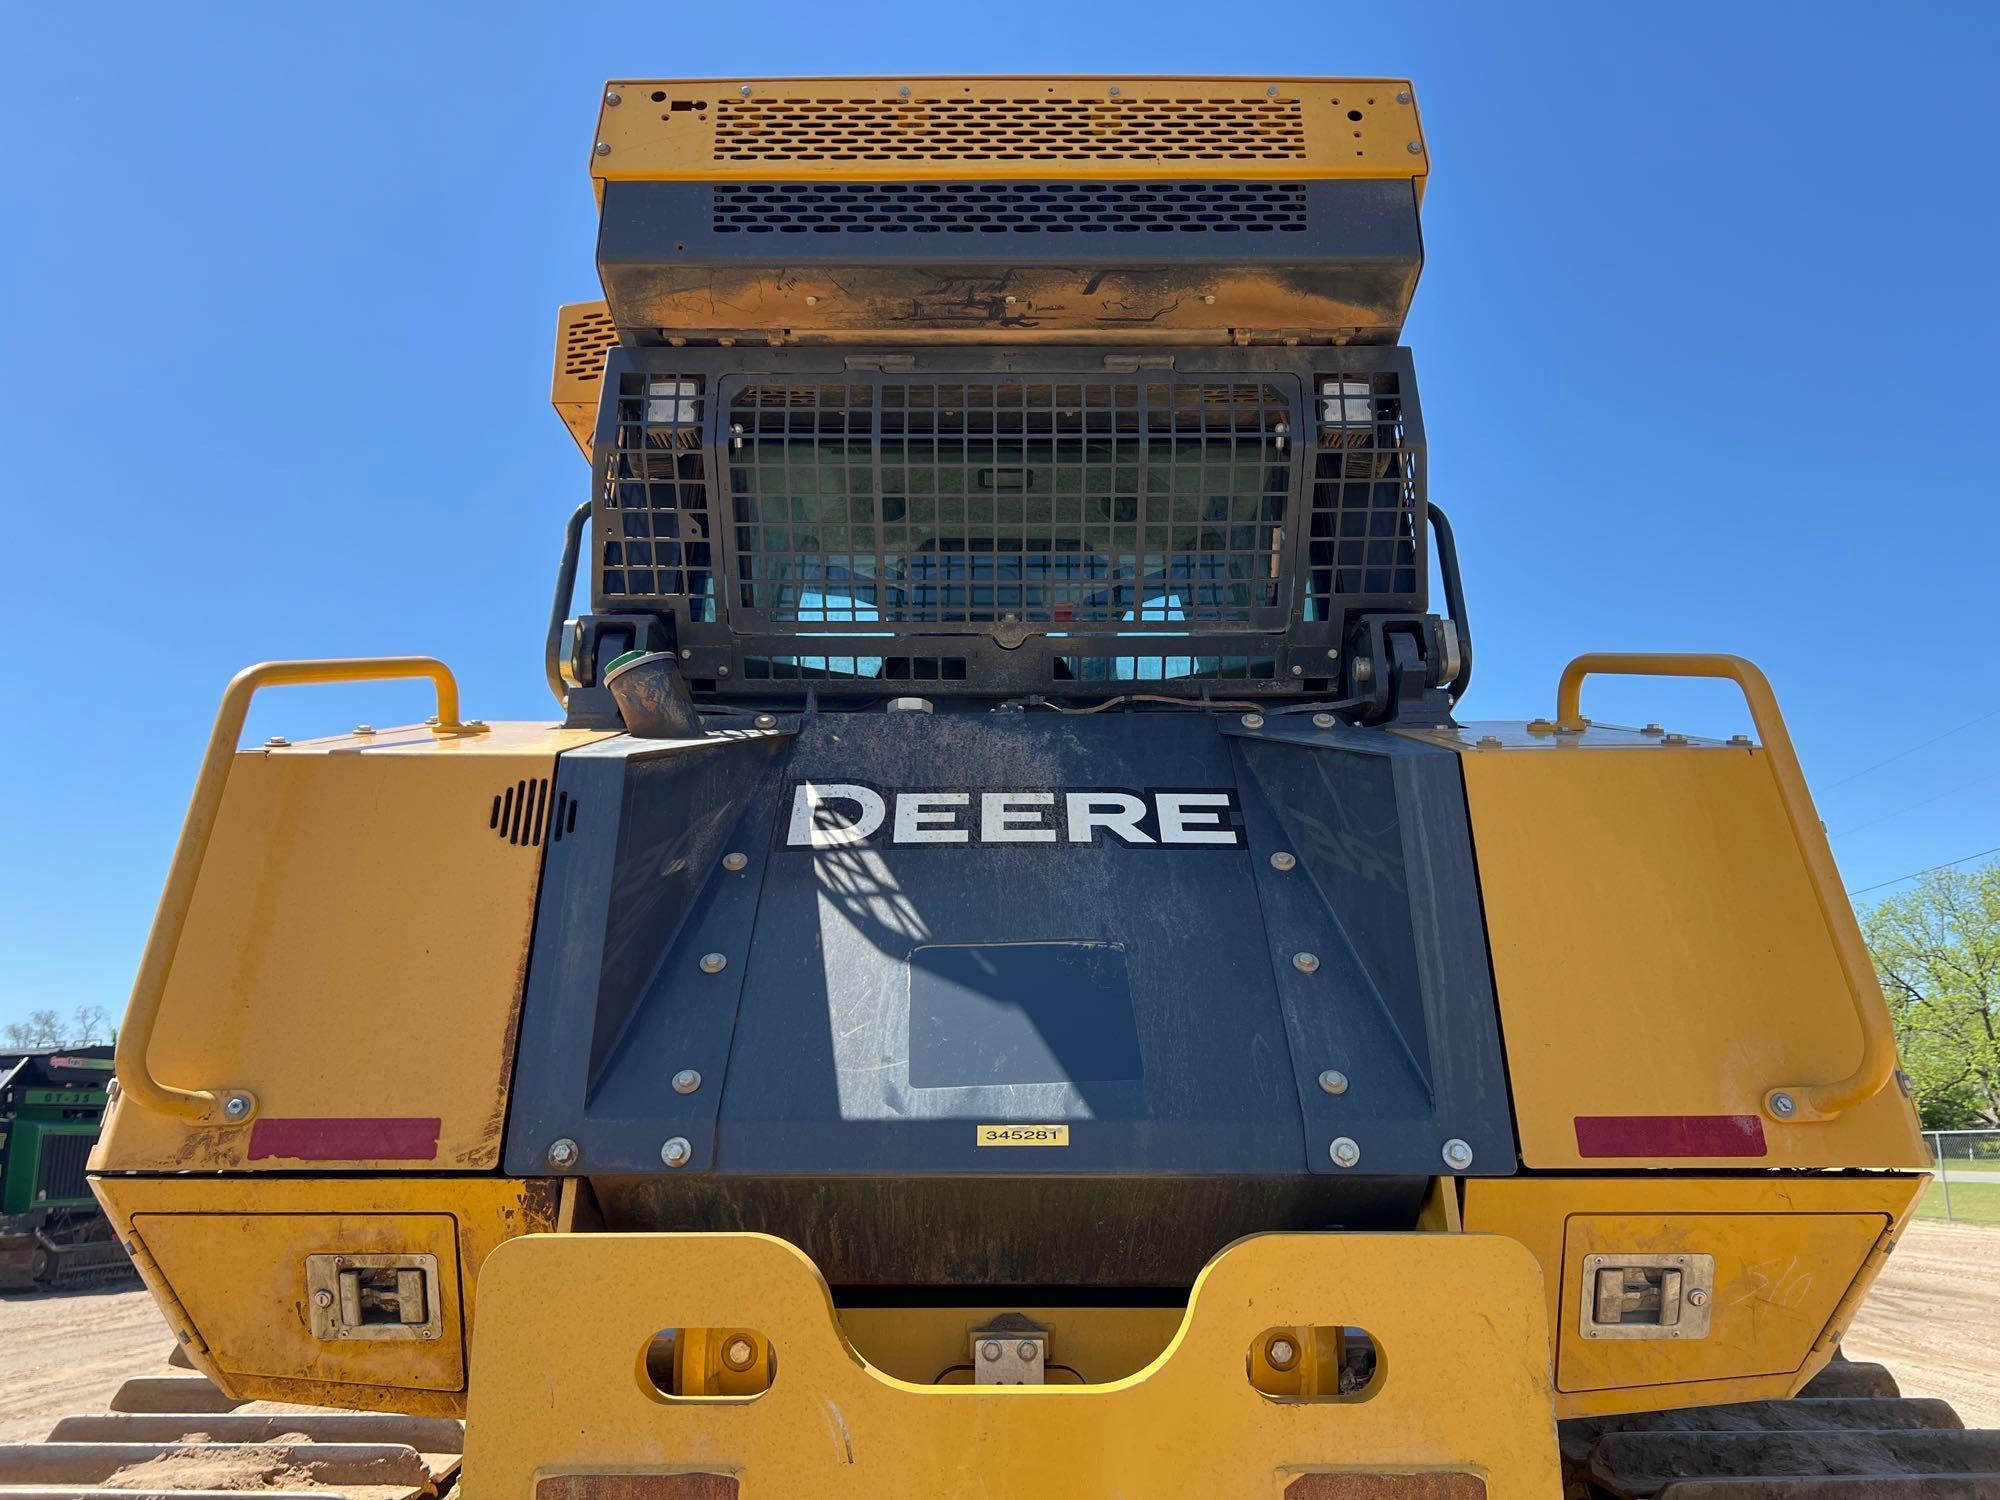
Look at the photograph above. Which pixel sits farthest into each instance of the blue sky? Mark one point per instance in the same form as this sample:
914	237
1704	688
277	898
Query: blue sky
1707	343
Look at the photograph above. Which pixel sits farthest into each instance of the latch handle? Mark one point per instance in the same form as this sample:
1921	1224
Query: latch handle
1787	1102
135	1039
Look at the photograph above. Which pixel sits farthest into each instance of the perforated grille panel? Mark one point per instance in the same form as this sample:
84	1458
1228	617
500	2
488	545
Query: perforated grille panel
585	337
935	502
1362	526
655	507
1011	207
1161	128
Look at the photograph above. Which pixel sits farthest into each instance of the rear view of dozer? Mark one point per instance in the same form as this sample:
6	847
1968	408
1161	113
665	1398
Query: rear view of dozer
1008	977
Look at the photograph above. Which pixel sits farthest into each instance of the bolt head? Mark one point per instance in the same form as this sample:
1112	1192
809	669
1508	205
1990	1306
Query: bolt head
1281	1354
1323	721
1333	1081
744	91
323	1297
1025	1349
364	728
677	1152
277	742
686	1081
687	653
735	860
738	1353
1344	1151
767	721
612	100
903	92
604	148
1298	671
812	301
1284	861
990	1349
1253	721
1457	1155
1415	148
563	1153
713	963
1306	963
236	1107
1402	96
1115	91
1784	1106
1209	298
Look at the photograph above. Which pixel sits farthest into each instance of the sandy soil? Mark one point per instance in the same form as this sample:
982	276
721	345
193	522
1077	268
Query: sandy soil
1933	1318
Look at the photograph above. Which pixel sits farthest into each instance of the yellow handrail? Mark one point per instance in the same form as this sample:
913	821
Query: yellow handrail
135	1038
1816	1101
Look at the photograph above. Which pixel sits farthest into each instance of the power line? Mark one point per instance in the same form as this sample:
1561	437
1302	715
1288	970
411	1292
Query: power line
1915	873
1911	750
1937	796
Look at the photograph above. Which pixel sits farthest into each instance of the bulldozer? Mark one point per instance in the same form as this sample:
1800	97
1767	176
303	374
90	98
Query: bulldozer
1008	974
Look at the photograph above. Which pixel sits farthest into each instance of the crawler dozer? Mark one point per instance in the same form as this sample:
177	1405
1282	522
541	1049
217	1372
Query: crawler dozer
1009	974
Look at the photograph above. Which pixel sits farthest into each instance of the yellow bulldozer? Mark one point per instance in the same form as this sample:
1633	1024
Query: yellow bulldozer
1008	976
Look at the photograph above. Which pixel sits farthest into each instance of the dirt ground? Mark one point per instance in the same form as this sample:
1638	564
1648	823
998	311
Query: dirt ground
1933	1318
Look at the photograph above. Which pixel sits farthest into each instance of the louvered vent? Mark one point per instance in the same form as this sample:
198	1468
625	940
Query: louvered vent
586	335
522	815
1010	208
59	1172
1154	128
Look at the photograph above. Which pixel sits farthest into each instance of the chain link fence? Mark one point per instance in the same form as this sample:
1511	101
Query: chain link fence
1966	1188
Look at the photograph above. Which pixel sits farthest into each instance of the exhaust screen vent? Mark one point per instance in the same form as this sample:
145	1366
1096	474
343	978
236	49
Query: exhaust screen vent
1010	207
1256	128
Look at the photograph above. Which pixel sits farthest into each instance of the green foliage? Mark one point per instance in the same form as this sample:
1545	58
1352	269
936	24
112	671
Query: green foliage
1937	950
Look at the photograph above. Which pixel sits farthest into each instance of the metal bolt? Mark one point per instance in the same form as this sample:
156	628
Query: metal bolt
1322	721
713	963
604	148
236	1107
1344	1151
1651	729
1209	297
687	653
1008	300
1415	148
1697	1298
1025	1349
1271	92
767	721
1253	721
686	1081
744	91
432	721
1298	671
364	728
1784	1106
738	1353
1739	739
904	91
812	302
1281	1354
677	1152
1306	963
1491	742
735	860
990	1349
1402	96
277	742
323	1297
722	671
1363	669
1333	1082
612	100
1673	739
1457	1155
563	1153
1114	91
1541	726
1283	861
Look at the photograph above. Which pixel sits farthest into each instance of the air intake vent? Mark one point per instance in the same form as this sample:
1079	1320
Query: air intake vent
520	813
59	1173
1028	128
1010	208
585	337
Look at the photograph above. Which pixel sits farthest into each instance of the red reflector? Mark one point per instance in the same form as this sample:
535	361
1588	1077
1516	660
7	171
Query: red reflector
337	1139
1669	1135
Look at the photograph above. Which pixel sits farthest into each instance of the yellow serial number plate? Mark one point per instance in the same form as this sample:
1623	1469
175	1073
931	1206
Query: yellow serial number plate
1024	1135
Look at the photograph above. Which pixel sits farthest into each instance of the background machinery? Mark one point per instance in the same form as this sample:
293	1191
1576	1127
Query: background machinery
52	1233
1009	976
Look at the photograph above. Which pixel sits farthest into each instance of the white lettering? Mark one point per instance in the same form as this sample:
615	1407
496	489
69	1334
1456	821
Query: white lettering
930	818
822	827
1014	818
1118	812
1184	818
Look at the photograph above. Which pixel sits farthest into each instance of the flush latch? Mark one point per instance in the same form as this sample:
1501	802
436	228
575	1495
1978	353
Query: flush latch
1647	1296
373	1296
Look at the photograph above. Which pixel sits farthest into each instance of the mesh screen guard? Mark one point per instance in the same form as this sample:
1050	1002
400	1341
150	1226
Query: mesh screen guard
1004	521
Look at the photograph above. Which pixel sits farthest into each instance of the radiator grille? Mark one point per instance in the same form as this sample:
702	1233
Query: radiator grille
1362	527
1010	207
1159	128
655	510
59	1172
959	502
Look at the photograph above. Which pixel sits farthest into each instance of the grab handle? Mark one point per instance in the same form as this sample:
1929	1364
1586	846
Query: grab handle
1813	1101
135	1038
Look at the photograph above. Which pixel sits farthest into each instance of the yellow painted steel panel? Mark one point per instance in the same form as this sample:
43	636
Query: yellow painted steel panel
242	1280
354	954
584	333
997	129
567	1318
1100	1343
1658	952
1539	1213
224	1257
1778	1277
